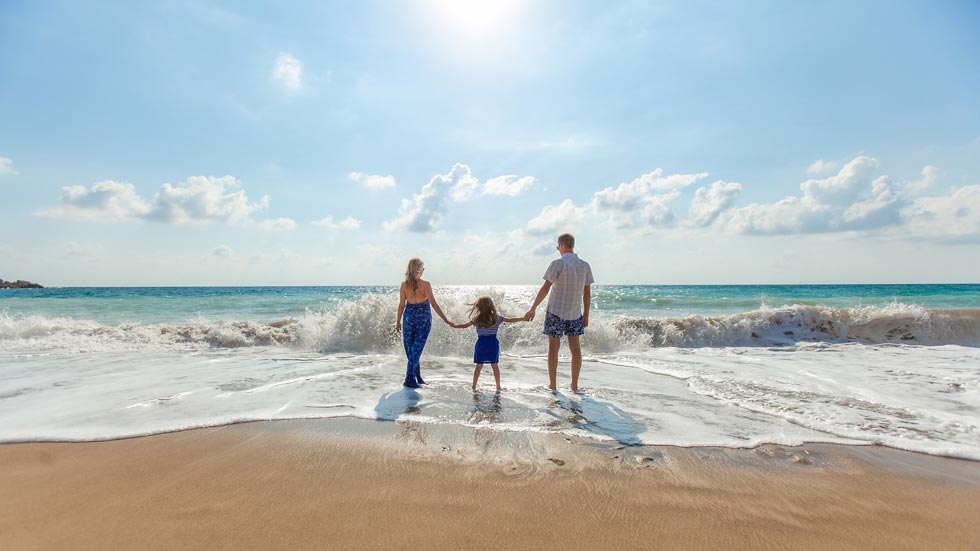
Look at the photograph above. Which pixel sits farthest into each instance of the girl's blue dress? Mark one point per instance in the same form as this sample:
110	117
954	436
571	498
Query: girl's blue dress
487	349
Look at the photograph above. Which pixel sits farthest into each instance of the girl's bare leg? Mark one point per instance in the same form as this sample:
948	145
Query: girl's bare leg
496	375
476	375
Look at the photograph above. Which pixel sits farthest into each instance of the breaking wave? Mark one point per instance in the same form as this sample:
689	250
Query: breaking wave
367	325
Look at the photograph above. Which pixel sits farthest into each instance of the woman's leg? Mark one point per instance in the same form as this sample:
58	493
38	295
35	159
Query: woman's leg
415	331
496	375
476	374
421	335
410	327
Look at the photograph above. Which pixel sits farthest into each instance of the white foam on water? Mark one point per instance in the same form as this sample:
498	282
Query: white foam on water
897	375
918	398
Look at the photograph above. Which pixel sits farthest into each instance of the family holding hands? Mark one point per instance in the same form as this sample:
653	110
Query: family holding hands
567	284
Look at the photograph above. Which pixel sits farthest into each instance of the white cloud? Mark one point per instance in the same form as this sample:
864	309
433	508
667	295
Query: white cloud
288	72
635	205
784	216
222	251
107	201
7	166
834	203
842	188
510	184
278	224
204	199
424	212
821	167
930	175
372	181
852	201
199	200
708	203
349	223
509	243
544	248
881	209
955	217
465	185
565	217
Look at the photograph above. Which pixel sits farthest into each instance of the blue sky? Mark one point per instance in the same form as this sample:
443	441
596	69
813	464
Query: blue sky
210	143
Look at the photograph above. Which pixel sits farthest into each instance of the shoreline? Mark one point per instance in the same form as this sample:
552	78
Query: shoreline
334	424
349	483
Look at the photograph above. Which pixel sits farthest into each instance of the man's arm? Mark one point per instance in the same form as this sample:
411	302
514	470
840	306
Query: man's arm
586	302
543	292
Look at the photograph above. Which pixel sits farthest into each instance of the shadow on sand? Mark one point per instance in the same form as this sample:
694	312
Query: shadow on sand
594	416
395	404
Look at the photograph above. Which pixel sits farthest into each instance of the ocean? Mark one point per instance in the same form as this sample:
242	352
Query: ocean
733	366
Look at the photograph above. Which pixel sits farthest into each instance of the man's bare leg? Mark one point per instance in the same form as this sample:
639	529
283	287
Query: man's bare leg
553	345
575	347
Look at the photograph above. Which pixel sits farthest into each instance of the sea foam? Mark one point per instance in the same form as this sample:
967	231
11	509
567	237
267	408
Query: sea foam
896	374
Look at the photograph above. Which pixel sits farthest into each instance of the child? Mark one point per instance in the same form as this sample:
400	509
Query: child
487	349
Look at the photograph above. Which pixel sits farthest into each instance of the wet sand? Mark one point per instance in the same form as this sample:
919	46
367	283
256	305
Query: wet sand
371	485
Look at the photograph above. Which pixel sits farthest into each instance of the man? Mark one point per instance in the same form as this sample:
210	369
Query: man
569	280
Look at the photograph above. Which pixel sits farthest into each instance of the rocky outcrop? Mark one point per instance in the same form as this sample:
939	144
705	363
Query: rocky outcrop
19	284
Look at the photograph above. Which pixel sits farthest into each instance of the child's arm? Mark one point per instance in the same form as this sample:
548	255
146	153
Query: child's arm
513	320
461	325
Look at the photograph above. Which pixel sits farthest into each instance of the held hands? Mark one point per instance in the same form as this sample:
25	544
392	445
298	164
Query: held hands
529	316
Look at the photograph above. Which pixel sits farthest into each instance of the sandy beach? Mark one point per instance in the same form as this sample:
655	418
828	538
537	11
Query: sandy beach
347	484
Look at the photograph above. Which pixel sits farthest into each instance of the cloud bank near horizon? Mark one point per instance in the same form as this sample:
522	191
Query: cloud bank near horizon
854	199
199	200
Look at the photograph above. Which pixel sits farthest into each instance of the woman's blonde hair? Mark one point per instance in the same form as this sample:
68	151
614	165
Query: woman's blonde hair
483	312
411	273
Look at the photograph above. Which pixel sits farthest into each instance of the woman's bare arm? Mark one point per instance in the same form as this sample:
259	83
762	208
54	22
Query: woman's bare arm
402	297
432	300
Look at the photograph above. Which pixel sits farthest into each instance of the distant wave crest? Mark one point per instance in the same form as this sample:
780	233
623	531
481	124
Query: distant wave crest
894	323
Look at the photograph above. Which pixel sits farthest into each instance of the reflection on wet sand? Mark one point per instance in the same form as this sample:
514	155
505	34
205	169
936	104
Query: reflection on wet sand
486	408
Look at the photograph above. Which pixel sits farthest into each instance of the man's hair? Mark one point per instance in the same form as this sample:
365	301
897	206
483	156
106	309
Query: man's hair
567	240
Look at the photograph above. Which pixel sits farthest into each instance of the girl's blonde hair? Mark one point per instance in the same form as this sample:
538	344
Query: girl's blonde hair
483	312
411	273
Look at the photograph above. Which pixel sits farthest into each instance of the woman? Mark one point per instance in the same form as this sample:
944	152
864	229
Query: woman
414	300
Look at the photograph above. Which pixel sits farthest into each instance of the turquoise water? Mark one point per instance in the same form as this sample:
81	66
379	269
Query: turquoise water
178	304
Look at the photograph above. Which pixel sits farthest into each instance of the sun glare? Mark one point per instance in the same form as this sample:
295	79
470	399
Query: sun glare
474	19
